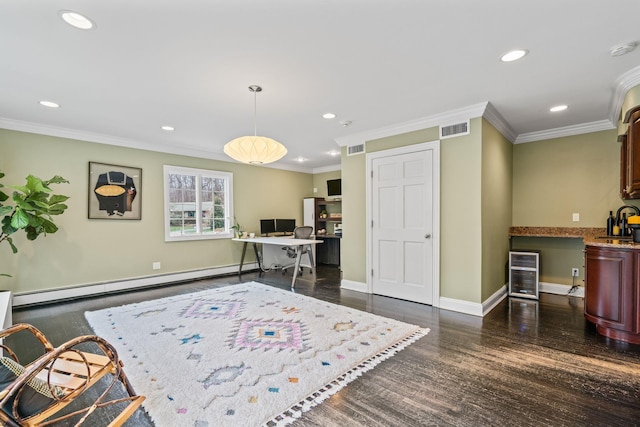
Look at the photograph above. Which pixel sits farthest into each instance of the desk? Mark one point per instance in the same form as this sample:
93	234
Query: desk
298	244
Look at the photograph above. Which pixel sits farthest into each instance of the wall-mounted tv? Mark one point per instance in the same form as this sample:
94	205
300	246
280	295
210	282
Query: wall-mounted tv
334	187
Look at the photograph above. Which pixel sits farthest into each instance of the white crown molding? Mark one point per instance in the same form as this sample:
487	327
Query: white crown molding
80	135
565	131
330	168
493	117
449	117
625	82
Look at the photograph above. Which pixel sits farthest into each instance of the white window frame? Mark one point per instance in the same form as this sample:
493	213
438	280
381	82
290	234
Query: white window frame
199	174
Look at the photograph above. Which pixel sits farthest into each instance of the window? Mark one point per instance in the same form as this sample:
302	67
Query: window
198	204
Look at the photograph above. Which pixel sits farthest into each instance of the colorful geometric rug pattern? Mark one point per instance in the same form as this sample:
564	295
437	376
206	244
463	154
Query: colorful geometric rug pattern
244	355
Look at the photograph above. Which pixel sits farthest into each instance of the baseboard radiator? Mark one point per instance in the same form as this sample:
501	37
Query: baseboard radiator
94	289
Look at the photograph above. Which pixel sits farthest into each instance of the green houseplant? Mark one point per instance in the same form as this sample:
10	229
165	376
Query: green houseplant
31	209
238	229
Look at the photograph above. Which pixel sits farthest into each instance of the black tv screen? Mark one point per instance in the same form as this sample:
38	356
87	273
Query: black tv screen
334	187
267	226
285	225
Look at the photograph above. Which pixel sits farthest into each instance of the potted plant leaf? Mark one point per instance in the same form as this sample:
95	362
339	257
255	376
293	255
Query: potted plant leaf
30	208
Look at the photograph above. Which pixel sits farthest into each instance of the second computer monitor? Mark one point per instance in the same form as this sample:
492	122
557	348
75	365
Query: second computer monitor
285	225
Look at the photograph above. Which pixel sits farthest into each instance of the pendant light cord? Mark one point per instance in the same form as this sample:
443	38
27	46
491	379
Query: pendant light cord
255	109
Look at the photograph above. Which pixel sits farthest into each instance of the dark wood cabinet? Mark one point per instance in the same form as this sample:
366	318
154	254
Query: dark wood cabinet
630	158
612	292
327	214
623	168
328	252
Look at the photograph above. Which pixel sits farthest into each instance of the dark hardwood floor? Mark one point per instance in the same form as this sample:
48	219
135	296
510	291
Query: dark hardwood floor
526	363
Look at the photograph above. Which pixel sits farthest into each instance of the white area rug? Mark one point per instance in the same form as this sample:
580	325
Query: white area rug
246	354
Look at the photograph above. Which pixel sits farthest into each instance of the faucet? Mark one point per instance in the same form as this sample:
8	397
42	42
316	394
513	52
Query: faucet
637	211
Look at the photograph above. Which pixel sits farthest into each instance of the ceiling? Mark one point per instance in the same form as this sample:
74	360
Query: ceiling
188	64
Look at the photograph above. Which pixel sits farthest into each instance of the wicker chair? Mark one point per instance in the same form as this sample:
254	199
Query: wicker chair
35	394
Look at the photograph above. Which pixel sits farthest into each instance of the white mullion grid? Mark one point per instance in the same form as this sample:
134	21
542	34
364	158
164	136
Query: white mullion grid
198	204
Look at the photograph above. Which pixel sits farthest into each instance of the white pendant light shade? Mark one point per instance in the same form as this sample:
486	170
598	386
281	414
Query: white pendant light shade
255	150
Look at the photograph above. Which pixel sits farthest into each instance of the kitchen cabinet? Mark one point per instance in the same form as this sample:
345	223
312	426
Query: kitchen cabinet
612	292
630	158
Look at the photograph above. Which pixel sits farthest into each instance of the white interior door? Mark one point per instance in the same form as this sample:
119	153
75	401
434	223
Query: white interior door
402	226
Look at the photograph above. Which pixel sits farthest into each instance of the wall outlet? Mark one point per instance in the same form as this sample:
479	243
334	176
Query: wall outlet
575	272
315	189
576	217
156	265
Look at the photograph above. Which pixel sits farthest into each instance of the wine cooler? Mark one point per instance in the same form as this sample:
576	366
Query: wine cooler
524	268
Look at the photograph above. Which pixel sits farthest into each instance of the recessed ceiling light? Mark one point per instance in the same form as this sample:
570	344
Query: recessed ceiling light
334	153
558	108
76	20
514	55
329	116
622	49
49	104
168	128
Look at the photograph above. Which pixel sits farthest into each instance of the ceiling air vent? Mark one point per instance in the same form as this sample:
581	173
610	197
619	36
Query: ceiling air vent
454	130
355	149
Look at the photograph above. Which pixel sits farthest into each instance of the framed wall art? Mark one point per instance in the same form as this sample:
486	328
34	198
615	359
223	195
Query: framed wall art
114	192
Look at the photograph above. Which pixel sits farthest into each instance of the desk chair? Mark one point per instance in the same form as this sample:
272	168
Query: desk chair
302	232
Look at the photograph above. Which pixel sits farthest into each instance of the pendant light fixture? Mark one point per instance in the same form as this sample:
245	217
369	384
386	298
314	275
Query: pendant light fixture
255	150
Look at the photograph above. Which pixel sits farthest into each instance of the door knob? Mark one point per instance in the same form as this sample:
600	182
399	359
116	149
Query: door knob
427	236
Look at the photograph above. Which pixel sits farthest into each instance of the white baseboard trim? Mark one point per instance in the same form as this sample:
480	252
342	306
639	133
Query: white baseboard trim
51	295
495	299
559	289
461	306
353	286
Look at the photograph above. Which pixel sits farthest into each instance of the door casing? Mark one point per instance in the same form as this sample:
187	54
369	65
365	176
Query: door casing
435	235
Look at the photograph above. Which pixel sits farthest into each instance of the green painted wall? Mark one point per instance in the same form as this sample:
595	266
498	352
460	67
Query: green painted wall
352	244
558	177
554	178
460	228
87	251
320	182
497	178
486	185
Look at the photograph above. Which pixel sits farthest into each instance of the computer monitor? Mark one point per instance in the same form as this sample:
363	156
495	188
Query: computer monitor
285	225
267	226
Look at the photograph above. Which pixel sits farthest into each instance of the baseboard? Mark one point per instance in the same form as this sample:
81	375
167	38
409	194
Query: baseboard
461	306
51	295
451	304
353	286
495	299
559	289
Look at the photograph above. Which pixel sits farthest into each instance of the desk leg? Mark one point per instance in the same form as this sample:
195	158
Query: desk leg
297	267
244	251
310	252
258	258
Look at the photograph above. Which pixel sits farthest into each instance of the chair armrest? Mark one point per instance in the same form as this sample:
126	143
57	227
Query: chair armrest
67	371
19	327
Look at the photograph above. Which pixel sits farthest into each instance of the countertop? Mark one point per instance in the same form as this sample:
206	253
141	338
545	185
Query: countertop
591	236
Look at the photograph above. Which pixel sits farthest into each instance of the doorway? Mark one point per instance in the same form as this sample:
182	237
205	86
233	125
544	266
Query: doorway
403	202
